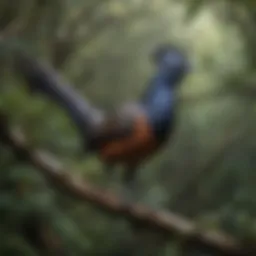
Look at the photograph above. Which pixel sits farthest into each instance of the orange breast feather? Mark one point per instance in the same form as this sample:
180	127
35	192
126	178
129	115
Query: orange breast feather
133	148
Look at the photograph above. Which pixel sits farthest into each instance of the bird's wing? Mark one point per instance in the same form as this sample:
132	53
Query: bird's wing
118	124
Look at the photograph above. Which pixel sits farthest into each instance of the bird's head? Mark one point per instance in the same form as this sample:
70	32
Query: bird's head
171	62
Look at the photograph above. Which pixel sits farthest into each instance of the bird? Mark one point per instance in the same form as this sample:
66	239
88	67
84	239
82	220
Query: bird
134	131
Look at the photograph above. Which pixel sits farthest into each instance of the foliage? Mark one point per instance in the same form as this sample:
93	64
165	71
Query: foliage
206	172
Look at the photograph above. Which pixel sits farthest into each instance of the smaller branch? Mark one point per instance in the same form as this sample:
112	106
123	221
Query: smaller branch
166	222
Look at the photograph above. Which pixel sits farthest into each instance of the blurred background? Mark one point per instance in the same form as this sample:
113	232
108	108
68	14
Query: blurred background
207	171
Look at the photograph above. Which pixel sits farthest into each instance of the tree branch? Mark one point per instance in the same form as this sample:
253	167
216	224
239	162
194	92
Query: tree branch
166	222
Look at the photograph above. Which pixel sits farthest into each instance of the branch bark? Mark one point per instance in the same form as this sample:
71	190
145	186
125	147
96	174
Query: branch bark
162	221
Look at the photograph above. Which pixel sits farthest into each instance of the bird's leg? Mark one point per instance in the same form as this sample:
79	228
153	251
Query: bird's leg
129	186
109	170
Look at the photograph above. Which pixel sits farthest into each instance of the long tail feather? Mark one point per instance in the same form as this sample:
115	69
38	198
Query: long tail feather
45	80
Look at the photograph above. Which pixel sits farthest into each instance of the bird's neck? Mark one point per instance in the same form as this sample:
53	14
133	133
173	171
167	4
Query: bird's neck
169	77
159	83
158	103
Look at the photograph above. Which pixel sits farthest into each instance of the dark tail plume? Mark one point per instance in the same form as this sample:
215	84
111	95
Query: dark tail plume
45	80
